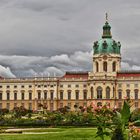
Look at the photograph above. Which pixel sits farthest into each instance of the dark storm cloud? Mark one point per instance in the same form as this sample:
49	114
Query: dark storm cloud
41	36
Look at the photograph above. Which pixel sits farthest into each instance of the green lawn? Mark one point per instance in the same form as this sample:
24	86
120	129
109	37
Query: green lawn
55	134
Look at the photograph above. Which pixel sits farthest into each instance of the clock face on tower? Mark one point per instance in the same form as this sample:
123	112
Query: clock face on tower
105	57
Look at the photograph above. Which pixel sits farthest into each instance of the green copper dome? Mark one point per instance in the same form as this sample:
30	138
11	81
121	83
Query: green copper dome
106	44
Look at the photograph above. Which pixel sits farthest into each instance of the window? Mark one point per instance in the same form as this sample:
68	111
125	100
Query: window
8	106
114	66
136	94
77	86
136	85
99	93
119	85
119	104
69	105
85	95
0	86
108	93
15	86
51	85
39	86
30	106
84	86
105	66
61	95
120	94
8	86
77	95
0	96
61	105
45	86
22	86
91	90
22	95
136	104
39	95
0	105
15	96
69	95
30	96
51	107
15	105
45	95
128	85
8	96
128	94
51	95
69	86
97	67
22	104
61	86
30	86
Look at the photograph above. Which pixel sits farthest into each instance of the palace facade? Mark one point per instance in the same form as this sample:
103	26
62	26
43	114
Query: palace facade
105	84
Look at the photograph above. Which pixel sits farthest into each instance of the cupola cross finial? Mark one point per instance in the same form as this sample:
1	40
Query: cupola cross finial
106	17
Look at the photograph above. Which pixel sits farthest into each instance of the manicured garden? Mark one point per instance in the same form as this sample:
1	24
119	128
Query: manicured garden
84	123
55	134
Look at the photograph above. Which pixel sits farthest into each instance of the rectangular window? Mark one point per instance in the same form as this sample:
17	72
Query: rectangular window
15	105
39	86
22	104
0	86
0	96
136	85
61	86
61	105
77	95
45	95
30	106
39	95
22	86
69	105
51	107
136	104
8	86
30	86
69	86
30	96
76	86
51	95
61	95
84	86
69	95
8	106
8	96
15	86
119	104
0	105
15	96
119	85
45	86
22	96
128	85
51	85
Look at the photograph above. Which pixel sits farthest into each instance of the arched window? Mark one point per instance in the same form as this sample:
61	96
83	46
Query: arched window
105	66
108	93
97	67
99	93
119	94
92	94
128	93
136	94
114	66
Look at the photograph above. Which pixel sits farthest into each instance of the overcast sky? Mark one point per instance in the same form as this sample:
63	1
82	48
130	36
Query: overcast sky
38	37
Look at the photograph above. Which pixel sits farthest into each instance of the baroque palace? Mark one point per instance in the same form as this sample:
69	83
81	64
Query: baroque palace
105	84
